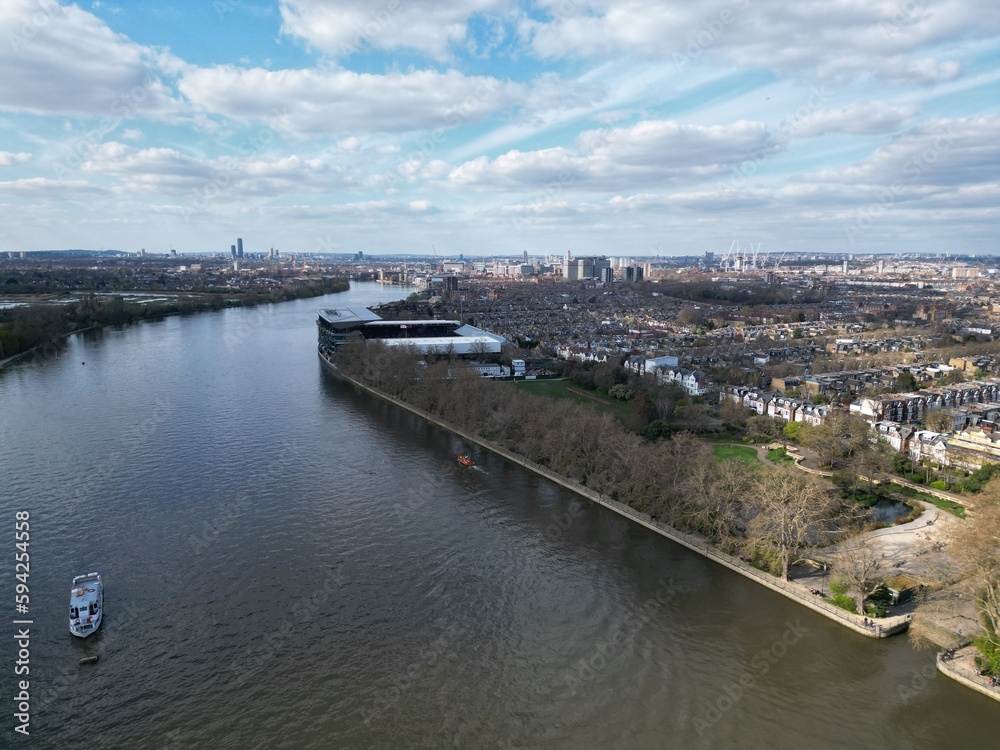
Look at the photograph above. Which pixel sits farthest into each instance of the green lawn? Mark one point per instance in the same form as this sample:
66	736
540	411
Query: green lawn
743	453
561	389
949	505
780	456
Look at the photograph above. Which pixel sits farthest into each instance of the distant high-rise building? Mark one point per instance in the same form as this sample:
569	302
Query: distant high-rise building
599	265
239	247
632	274
525	257
607	275
846	266
232	250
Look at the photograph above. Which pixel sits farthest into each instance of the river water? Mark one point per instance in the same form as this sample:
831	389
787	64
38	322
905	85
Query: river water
290	563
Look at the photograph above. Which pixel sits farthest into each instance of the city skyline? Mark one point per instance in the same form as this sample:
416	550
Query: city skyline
493	127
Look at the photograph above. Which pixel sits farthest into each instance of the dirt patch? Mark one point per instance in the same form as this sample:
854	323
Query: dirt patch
592	397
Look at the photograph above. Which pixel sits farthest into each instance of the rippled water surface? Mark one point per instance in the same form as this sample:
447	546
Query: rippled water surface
290	563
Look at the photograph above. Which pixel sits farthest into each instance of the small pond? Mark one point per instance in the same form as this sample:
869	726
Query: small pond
889	511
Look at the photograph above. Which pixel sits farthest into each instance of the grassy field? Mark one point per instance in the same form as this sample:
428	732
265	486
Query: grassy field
780	456
948	505
567	389
743	453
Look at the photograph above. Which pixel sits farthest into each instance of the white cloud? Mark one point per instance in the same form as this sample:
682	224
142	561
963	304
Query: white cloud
320	102
47	189
62	60
940	152
166	171
8	158
860	118
344	27
650	152
834	39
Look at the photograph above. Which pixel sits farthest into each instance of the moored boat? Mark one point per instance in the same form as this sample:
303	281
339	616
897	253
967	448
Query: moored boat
86	604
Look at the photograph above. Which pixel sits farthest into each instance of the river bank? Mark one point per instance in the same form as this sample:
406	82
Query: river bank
879	628
126	313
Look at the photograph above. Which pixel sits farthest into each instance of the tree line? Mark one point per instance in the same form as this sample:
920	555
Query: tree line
770	516
24	328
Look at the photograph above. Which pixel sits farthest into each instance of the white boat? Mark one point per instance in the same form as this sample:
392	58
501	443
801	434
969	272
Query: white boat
86	604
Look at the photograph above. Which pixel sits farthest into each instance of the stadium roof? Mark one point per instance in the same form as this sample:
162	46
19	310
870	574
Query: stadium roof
345	317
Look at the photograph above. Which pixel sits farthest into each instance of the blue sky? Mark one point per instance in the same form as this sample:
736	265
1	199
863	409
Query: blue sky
495	126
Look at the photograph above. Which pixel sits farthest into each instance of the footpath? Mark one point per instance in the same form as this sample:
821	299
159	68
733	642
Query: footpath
871	627
962	667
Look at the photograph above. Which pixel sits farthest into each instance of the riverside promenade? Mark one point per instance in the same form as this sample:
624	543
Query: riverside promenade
879	627
962	667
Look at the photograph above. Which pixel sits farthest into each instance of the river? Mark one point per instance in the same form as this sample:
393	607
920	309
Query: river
292	564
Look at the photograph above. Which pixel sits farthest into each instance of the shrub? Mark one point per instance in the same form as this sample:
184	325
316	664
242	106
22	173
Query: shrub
975	481
989	662
939	484
844	602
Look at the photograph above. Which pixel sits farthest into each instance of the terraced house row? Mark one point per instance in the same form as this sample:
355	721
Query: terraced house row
974	408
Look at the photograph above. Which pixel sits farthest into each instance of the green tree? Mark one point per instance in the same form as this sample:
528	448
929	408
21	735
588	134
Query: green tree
905	382
791	431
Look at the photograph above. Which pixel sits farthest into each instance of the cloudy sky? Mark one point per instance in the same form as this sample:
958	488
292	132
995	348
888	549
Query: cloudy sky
624	127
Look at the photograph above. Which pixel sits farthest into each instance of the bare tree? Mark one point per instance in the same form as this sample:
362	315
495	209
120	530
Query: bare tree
859	566
716	510
789	513
978	545
839	438
733	414
938	421
763	429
